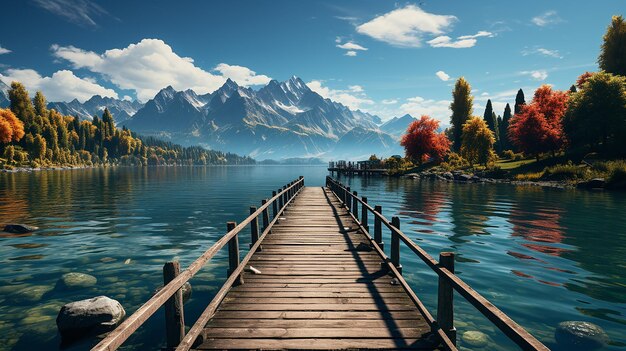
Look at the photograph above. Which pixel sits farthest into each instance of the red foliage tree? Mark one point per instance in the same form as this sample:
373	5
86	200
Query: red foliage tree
422	141
583	79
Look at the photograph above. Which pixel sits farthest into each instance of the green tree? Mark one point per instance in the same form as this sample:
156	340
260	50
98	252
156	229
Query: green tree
505	143
462	109
40	103
21	104
519	101
596	114
40	147
612	57
477	142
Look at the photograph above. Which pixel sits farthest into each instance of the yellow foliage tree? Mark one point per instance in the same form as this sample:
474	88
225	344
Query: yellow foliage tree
477	141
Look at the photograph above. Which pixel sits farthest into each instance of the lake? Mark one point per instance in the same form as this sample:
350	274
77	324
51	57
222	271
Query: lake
543	256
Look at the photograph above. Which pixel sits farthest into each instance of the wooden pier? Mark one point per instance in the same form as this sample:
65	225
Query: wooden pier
314	278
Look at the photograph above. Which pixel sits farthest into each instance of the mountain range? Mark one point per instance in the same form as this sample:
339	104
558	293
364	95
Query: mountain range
278	121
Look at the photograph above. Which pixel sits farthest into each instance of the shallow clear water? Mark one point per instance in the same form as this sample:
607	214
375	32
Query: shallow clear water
542	255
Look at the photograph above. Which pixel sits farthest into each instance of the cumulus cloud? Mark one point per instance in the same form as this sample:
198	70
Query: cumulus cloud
4	50
351	46
151	64
546	18
462	42
61	86
437	109
350	53
406	26
543	52
537	74
354	97
80	12
242	75
443	76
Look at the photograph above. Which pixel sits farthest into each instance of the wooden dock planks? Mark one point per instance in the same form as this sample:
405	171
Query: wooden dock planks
320	287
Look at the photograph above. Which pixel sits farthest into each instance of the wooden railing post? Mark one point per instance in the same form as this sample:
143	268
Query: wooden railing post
254	228
355	205
348	200
378	228
274	205
395	245
233	253
284	196
364	211
280	200
445	298
266	217
174	313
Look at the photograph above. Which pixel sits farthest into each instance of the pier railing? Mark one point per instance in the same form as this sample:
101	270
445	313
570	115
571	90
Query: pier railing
170	296
448	281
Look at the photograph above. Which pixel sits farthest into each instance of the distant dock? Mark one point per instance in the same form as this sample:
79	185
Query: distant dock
361	168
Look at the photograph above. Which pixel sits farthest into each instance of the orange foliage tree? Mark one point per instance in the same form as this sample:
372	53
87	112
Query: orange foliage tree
539	128
11	128
422	141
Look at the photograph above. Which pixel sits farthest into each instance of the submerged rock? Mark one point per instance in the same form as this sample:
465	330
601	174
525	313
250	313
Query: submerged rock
31	294
577	335
96	315
19	228
475	338
76	280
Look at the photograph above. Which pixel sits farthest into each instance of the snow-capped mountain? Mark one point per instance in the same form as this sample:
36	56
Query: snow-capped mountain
397	125
280	120
120	109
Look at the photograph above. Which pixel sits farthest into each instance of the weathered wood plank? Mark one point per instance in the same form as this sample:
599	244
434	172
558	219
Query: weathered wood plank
318	344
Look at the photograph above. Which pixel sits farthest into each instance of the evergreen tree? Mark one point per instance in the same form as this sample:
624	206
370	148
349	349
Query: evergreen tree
573	89
40	104
505	142
612	57
490	118
21	105
462	109
519	101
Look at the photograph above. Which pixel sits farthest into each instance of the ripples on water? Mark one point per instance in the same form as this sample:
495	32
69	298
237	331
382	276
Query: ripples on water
541	255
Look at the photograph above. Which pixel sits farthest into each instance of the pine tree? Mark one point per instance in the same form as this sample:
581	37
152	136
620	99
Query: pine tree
489	117
573	89
40	104
505	142
462	109
21	105
612	57
519	101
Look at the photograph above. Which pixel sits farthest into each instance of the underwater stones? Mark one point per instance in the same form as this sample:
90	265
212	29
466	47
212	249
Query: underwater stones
475	338
19	228
32	293
578	335
76	280
95	315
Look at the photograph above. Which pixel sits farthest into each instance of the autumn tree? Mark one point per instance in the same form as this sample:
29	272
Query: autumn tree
422	141
11	128
596	114
477	142
612	57
21	105
462	109
519	101
582	79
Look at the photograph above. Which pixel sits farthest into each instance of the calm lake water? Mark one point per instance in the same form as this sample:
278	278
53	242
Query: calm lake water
542	255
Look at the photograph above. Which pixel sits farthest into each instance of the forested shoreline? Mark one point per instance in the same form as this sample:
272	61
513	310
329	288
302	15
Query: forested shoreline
33	136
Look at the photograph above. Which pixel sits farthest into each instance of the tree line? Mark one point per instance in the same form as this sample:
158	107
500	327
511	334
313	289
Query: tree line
33	135
588	117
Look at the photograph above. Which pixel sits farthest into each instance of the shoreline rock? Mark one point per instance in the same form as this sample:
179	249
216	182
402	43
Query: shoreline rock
16	228
90	316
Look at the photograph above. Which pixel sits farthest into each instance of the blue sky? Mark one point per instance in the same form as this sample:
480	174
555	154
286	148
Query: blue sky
384	57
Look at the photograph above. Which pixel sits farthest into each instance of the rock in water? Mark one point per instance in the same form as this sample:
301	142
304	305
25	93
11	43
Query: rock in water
96	315
577	335
474	338
75	280
19	228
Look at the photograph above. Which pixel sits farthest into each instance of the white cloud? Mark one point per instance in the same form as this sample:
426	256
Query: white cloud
350	53
389	101
437	109
4	50
537	74
542	51
443	76
351	46
546	18
242	75
462	42
406	26
61	86
80	12
354	97
150	65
